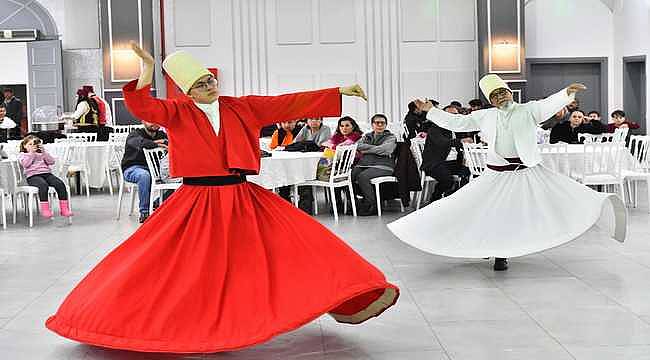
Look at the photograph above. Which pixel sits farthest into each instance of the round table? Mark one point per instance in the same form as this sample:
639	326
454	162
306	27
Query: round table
286	168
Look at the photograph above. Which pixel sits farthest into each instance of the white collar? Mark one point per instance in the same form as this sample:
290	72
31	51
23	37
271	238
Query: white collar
212	112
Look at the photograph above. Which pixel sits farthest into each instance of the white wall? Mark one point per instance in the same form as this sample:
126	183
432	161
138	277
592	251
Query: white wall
395	50
631	38
576	28
13	69
612	29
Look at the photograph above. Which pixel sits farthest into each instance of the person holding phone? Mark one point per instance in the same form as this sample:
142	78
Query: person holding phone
36	164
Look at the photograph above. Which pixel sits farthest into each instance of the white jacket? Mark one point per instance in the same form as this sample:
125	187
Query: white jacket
522	117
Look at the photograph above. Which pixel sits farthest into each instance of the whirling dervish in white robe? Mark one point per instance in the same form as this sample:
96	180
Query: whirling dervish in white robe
517	206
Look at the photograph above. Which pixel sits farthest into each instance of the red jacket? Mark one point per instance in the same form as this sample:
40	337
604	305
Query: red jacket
195	150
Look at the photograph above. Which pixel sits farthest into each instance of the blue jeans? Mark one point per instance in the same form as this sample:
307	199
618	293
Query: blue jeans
140	175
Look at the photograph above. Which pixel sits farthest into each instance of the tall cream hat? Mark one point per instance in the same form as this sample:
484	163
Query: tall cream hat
491	82
184	69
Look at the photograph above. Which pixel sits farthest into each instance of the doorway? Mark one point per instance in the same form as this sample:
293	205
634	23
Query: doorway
634	90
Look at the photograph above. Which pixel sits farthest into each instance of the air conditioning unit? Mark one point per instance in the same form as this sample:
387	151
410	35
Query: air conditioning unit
19	35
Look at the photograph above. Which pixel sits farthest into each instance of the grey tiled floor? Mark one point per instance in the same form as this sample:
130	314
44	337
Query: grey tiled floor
589	299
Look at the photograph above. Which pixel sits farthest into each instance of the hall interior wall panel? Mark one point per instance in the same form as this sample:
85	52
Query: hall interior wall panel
81	24
269	47
420	84
294	21
197	20
456	85
419	20
458	22
336	21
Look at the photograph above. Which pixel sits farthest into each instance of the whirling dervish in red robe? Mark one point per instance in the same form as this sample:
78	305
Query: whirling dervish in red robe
222	264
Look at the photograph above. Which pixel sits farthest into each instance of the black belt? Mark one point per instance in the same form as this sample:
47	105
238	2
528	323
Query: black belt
214	180
515	164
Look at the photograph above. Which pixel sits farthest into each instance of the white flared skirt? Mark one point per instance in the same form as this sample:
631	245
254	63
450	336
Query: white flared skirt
511	213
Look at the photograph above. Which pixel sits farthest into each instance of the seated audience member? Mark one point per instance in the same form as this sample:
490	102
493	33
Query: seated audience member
559	117
134	164
284	135
475	104
457	104
36	164
416	120
376	149
568	131
592	123
268	130
314	131
435	162
6	123
347	133
619	121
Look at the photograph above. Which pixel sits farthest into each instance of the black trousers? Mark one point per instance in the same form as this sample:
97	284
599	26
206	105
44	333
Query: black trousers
44	181
443	173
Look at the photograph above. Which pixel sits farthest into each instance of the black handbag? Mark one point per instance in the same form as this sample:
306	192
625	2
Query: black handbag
303	146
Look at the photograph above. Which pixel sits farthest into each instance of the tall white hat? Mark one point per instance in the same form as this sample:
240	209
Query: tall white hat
184	69
491	82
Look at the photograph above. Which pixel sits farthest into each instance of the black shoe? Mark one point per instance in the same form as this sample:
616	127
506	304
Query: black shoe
143	217
500	264
369	211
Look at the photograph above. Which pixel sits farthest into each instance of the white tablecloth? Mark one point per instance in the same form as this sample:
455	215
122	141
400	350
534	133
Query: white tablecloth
286	168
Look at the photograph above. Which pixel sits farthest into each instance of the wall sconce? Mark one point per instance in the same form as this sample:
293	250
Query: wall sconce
505	57
125	64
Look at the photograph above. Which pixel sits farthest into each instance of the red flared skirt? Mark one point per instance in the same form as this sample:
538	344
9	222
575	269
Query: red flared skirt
220	268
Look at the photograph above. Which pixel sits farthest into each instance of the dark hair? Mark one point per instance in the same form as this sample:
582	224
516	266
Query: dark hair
578	110
593	112
412	106
372	119
618	113
476	103
8	89
355	126
2	105
456	104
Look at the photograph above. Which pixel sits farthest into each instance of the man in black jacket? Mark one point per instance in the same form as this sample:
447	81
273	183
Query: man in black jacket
568	131
592	123
434	157
14	111
134	164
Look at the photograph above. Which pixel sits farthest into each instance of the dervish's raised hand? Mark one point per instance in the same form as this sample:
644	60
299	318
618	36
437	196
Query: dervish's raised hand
354	90
574	88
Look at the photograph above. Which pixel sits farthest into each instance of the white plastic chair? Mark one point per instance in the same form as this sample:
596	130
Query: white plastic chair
121	129
113	161
75	160
620	134
132	187
602	165
158	184
595	138
28	194
640	148
88	137
417	147
339	177
376	182
475	156
558	156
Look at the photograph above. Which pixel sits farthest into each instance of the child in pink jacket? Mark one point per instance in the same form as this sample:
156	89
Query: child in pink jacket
36	163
